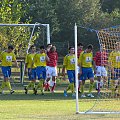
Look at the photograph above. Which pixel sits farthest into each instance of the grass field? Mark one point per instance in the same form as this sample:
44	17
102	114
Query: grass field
19	106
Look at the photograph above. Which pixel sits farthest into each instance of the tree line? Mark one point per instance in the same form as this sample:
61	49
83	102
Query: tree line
61	15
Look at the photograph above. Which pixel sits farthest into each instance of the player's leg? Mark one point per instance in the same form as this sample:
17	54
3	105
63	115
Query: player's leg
105	78
7	73
48	78
83	77
41	73
91	77
71	82
98	74
54	74
29	84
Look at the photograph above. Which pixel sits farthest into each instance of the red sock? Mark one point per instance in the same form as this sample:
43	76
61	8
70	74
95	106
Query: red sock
46	86
53	87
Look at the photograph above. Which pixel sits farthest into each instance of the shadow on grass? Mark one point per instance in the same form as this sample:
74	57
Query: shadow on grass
18	95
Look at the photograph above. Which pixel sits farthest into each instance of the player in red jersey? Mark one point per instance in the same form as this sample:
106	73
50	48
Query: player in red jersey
101	60
79	50
51	69
47	84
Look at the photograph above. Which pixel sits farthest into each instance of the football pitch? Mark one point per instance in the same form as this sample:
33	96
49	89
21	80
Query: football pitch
51	106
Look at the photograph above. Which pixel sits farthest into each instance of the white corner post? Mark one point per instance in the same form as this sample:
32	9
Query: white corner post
48	33
76	71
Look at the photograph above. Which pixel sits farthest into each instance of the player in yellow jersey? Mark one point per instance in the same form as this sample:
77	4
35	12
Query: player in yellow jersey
7	57
40	62
114	61
31	69
69	65
86	70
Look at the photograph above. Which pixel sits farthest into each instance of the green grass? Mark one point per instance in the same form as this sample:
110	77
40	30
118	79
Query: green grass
48	107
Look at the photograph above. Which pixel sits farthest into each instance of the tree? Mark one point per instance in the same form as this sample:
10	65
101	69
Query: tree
10	12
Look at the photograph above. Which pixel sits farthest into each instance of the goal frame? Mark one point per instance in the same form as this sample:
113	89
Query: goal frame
76	79
47	26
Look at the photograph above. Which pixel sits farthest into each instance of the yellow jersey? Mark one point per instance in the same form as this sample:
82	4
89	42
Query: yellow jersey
29	60
40	59
85	59
69	62
7	58
114	59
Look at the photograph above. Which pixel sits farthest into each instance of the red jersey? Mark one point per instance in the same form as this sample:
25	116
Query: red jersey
53	58
78	52
101	58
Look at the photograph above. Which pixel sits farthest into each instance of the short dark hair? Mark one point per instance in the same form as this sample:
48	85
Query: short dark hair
49	44
10	47
80	44
90	46
42	47
32	46
71	47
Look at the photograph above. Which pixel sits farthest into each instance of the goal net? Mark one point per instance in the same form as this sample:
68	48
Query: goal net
108	101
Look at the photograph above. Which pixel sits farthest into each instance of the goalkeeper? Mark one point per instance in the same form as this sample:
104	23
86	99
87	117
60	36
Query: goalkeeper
114	61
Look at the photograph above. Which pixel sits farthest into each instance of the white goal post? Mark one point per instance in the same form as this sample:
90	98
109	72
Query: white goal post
78	99
33	26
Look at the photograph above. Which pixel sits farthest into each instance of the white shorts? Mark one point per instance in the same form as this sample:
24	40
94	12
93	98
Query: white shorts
101	71
51	71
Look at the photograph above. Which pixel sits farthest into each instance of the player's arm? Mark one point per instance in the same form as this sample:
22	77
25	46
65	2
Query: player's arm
15	61
80	62
47	58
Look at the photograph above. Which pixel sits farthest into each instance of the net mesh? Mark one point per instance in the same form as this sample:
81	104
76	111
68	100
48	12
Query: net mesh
108	98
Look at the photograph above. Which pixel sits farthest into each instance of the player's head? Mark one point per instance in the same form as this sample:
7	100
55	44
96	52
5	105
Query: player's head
32	48
49	46
80	46
89	48
71	50
42	49
53	48
10	48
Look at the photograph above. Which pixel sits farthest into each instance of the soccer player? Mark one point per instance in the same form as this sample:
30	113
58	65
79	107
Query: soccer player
40	62
86	70
69	65
114	63
47	84
51	68
79	50
101	61
31	69
7	57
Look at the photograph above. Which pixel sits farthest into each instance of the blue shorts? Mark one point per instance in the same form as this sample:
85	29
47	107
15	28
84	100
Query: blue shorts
87	73
6	70
41	72
117	73
32	74
71	75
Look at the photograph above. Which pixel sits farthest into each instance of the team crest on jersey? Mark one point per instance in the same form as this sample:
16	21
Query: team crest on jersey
9	58
117	58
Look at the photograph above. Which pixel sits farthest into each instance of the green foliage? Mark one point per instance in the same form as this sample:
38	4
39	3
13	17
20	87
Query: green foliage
61	15
10	13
